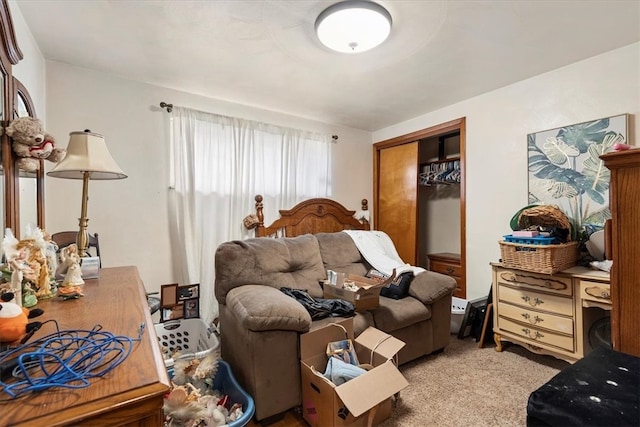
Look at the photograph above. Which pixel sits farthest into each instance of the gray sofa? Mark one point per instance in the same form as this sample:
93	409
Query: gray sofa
260	325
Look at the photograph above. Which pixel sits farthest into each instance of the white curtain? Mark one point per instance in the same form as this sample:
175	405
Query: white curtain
218	165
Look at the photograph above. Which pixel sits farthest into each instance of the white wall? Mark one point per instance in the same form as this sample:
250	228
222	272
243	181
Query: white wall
131	215
496	146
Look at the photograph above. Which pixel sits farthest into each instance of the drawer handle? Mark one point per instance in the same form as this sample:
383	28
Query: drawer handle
535	336
532	303
450	270
598	292
536	319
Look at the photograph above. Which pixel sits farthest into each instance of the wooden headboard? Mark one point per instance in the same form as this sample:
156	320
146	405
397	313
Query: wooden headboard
310	217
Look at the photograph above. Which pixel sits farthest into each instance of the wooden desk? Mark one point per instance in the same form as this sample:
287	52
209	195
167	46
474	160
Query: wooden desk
131	394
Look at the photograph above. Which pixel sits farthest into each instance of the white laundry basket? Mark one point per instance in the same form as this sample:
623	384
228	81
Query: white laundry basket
458	307
189	337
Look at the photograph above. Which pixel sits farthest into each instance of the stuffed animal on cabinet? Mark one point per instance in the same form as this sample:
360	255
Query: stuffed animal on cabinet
30	143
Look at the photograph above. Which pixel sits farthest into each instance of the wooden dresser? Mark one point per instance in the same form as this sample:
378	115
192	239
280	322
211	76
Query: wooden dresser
131	394
449	264
549	314
624	201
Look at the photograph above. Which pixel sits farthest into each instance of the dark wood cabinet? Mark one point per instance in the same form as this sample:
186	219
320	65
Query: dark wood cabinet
449	264
15	102
624	202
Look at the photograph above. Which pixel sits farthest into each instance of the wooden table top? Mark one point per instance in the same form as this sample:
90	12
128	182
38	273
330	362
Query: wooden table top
117	302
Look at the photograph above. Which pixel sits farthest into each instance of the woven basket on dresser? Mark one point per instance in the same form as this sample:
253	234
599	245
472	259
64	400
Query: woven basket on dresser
546	259
544	216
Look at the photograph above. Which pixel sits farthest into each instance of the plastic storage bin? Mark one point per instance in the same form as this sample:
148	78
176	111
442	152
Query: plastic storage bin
226	383
537	240
190	337
458	307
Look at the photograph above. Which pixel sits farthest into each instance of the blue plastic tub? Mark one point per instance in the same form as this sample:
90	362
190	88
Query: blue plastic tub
226	383
538	240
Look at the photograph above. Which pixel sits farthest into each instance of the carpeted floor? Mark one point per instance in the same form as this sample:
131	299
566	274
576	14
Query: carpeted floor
469	386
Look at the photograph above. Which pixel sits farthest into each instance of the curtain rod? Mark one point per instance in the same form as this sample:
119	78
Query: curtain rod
169	108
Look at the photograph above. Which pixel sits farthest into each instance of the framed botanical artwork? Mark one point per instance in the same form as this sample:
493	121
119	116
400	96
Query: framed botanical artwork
188	291
191	308
565	170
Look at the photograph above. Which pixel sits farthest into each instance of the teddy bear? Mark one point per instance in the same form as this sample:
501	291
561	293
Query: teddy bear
31	142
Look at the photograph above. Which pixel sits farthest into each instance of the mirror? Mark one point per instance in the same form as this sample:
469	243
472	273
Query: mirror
30	184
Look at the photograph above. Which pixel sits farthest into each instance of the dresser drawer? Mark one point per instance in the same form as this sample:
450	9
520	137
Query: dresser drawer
524	279
537	319
530	299
445	268
537	336
595	291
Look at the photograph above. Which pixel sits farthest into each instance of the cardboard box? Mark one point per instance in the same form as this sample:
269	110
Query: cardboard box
367	295
353	403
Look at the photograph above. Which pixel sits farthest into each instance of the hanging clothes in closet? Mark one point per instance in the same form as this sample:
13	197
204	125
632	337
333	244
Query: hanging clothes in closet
445	172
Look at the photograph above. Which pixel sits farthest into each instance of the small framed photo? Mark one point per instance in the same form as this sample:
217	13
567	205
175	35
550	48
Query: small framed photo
186	292
168	295
191	308
172	312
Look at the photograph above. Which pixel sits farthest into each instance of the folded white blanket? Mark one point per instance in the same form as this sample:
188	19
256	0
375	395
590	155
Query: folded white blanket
379	251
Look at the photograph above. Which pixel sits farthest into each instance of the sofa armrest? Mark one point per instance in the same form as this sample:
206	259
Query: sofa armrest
263	308
430	286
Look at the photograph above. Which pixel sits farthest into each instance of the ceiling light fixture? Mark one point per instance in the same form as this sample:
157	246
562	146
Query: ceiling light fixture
353	26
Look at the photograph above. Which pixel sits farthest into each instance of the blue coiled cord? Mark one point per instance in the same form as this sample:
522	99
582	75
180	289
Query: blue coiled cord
66	359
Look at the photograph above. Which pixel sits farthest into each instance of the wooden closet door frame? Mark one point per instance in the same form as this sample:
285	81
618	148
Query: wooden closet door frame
457	125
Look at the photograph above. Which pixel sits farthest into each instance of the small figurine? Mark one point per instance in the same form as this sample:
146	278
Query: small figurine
28	263
70	264
14	320
19	268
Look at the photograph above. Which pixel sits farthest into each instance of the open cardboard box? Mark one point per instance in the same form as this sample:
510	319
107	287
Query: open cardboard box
363	401
367	295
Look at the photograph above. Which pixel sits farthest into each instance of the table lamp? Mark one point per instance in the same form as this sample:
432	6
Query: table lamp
87	158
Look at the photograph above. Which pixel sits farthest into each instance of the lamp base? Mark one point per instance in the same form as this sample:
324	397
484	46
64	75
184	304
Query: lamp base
90	267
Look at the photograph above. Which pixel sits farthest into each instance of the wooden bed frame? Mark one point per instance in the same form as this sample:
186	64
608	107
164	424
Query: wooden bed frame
310	217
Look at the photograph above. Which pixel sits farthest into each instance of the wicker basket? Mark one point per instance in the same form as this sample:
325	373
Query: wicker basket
547	259
544	216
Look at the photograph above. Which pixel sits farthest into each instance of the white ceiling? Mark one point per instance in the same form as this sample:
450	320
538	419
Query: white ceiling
263	53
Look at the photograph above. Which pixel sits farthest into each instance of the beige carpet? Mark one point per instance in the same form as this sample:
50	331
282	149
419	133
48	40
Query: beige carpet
468	386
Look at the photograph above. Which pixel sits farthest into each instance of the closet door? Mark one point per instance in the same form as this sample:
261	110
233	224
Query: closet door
397	197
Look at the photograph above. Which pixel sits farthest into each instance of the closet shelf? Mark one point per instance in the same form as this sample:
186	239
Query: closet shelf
450	159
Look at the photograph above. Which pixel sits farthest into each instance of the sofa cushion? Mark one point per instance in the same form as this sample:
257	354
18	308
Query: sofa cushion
395	314
430	286
292	262
339	253
263	308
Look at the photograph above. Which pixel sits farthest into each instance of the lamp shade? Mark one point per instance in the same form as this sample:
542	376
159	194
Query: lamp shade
353	26
87	152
